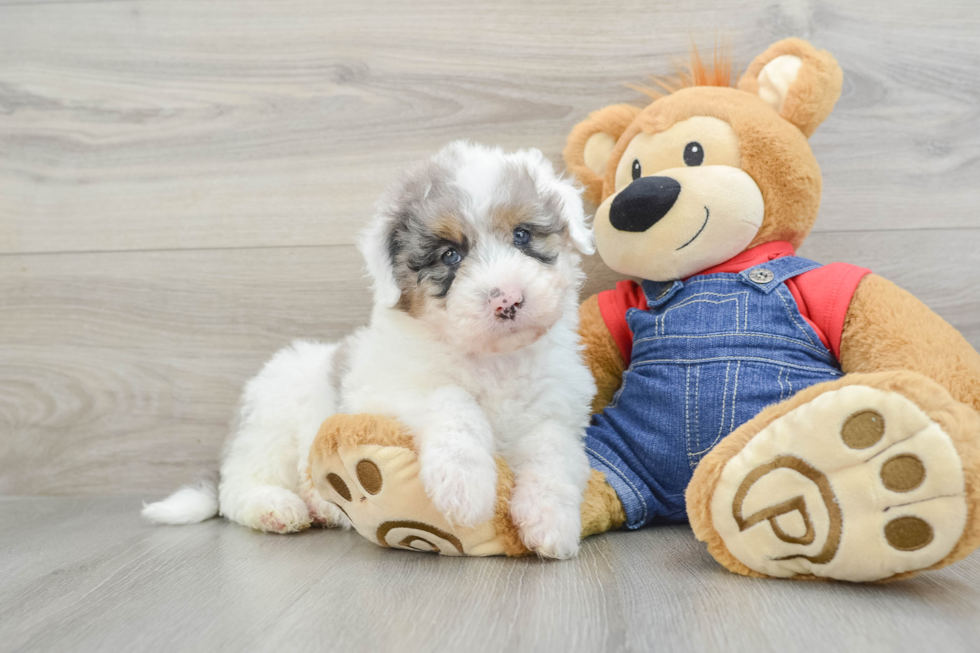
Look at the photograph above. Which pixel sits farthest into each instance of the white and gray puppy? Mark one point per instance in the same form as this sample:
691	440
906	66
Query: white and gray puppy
472	344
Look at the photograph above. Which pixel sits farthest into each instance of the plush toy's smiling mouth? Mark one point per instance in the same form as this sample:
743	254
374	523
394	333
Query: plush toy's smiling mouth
707	214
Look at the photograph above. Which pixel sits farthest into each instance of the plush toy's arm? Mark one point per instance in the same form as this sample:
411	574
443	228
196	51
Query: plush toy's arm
601	353
887	328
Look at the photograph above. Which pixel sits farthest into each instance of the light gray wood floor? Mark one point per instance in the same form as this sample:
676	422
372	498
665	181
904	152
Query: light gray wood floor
85	574
180	184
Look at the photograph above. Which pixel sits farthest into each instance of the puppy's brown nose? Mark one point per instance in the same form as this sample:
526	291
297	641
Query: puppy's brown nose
505	303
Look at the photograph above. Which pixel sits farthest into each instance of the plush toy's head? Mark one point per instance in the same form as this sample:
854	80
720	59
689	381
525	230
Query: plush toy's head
708	170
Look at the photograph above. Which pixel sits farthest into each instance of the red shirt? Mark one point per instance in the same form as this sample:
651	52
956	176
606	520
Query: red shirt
823	295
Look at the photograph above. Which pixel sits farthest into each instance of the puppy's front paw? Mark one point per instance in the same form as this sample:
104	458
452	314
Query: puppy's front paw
549	522
461	483
274	510
323	512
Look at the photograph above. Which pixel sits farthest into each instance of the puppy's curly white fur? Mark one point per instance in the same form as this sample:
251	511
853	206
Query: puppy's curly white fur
472	344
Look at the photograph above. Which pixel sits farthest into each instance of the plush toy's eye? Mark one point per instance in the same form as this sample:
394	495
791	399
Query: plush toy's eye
451	257
521	237
693	154
637	170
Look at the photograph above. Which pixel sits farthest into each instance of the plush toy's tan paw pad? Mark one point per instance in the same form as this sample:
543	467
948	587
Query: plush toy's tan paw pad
379	489
858	484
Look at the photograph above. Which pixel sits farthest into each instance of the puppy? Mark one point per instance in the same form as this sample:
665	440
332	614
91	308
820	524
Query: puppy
472	344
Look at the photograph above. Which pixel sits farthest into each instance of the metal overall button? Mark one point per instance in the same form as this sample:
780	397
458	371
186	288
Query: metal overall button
761	275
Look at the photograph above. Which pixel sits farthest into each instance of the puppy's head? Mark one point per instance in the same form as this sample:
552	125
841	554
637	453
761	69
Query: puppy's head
481	246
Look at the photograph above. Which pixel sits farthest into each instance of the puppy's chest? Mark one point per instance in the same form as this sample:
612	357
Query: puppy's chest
505	392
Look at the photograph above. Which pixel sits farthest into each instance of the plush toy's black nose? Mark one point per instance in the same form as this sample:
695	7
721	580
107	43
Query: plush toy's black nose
641	204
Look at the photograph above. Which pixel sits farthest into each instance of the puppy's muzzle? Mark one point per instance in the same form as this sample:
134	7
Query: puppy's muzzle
643	203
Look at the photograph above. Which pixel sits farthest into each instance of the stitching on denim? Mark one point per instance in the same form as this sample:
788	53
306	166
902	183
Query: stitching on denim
695	299
739	359
779	293
790	382
697	412
687	408
710	279
721	424
735	397
622	476
745	317
724	398
779	379
729	296
622	386
802	266
823	351
739	276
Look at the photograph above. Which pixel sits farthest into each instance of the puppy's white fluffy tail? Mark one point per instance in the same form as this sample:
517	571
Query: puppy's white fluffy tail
188	505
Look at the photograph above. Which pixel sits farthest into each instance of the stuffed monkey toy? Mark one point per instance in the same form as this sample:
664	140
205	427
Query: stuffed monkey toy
809	421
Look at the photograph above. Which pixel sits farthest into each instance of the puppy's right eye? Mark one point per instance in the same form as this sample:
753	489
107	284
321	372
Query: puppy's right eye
637	170
521	237
451	257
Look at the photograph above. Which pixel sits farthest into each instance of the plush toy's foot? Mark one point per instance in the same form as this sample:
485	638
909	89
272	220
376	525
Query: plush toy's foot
367	467
868	478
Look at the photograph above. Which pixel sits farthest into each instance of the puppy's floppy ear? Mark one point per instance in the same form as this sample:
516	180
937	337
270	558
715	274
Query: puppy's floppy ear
799	82
579	232
376	248
592	141
568	200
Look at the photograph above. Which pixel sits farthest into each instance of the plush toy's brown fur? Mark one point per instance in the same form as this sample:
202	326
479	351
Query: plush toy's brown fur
610	121
890	339
810	104
879	335
601	353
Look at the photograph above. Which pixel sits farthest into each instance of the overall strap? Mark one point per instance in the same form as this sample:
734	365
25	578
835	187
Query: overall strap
767	276
660	292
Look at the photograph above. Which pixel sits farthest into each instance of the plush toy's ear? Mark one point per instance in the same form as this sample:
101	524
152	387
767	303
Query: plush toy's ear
592	141
800	82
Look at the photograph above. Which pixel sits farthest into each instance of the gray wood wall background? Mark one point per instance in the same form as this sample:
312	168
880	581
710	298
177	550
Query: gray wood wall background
180	181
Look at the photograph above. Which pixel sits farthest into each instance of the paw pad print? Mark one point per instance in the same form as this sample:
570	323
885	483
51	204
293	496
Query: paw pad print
858	484
357	483
369	483
901	473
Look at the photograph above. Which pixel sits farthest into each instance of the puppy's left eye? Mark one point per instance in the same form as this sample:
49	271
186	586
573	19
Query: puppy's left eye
451	257
521	237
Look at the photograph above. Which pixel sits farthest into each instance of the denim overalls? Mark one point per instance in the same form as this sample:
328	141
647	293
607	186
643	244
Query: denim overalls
708	355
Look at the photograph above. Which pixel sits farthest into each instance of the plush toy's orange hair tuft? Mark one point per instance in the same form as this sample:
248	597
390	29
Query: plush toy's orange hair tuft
694	73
